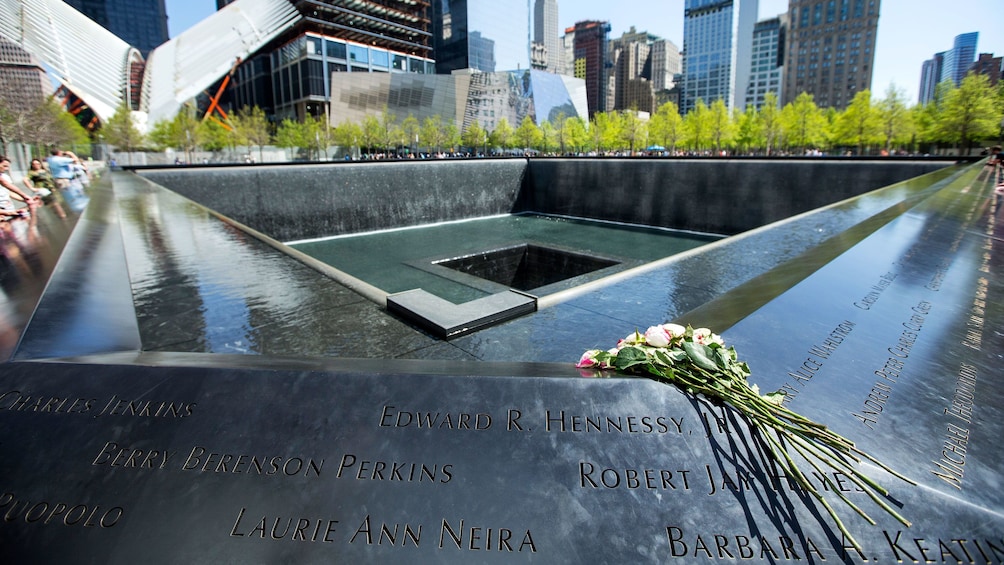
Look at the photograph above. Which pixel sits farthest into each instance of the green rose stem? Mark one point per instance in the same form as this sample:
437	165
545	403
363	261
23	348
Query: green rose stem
804	435
707	368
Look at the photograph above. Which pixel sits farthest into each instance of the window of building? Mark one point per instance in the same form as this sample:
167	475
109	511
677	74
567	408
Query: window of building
400	63
295	80
313	45
335	49
313	77
379	58
359	54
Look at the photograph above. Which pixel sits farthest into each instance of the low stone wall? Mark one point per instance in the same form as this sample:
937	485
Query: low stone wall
721	196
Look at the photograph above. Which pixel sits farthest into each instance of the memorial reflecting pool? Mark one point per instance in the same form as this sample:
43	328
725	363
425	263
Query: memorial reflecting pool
421	257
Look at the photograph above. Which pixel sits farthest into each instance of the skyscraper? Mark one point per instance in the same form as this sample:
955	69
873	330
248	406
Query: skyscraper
930	75
831	50
484	36
545	32
987	64
591	61
666	62
767	67
140	23
631	56
959	57
717	40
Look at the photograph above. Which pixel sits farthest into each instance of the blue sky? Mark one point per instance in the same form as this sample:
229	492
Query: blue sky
910	31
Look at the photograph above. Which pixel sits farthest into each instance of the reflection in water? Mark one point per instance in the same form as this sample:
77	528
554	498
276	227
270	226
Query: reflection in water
200	284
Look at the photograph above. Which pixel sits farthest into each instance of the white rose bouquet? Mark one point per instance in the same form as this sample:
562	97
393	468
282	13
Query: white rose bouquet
697	361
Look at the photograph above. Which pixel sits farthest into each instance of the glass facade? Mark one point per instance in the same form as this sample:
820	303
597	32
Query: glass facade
295	79
463	98
959	57
767	66
717	40
487	36
140	23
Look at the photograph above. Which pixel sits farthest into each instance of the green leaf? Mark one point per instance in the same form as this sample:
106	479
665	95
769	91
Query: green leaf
629	357
699	354
670	357
775	398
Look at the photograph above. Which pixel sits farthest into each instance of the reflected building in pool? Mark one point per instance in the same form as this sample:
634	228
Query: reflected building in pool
483	36
463	98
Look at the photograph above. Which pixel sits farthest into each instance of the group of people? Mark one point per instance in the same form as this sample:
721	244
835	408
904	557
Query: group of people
61	174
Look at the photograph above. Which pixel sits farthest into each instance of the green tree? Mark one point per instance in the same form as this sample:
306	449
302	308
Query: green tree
390	135
181	132
749	130
433	134
860	124
251	128
410	128
214	136
474	136
372	133
186	130
697	126
120	130
897	123
969	112
722	129
502	135
292	134
561	132
548	137
528	134
347	135
804	123
666	126
634	131
575	134
925	125
605	131
451	135
318	135
771	128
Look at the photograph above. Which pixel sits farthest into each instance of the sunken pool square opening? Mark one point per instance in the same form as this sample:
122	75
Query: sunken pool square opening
526	266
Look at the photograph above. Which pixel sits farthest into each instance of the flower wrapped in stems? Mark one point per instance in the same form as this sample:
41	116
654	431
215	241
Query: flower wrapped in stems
697	361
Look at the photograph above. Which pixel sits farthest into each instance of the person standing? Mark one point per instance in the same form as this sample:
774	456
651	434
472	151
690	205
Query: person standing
7	208
39	180
61	168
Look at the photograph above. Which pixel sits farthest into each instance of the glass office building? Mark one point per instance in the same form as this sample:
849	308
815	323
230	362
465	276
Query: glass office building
140	23
958	59
717	41
296	79
485	36
293	76
767	66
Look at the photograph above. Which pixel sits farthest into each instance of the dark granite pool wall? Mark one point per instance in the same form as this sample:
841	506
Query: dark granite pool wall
709	195
304	201
719	196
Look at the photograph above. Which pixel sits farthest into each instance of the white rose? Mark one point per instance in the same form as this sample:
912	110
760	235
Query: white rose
674	330
657	336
